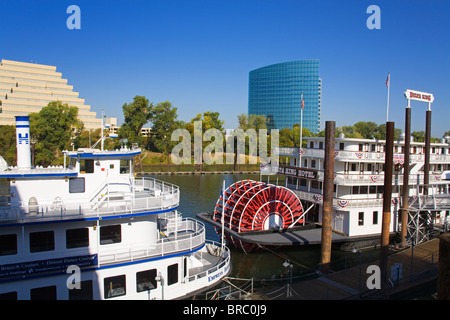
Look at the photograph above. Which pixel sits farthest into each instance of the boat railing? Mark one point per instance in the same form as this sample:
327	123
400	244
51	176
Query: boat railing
351	155
223	264
189	236
144	196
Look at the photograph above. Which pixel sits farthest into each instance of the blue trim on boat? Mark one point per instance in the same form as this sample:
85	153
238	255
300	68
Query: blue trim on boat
117	265
121	216
38	175
109	155
22	118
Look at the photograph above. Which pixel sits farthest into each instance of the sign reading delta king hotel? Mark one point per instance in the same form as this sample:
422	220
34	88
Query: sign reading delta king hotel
419	96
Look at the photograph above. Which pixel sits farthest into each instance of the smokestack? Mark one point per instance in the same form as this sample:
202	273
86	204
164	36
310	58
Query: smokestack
23	142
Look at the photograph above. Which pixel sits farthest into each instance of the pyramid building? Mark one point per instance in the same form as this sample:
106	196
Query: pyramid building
28	87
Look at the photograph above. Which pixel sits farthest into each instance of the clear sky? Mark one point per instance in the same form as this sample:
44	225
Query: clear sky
197	54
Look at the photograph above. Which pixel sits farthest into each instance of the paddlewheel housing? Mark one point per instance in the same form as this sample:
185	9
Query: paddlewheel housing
249	205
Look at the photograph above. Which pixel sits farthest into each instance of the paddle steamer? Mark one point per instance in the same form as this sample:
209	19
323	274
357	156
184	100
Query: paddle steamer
91	230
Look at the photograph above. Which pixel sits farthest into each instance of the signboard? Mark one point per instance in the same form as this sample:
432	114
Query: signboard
304	173
419	96
23	269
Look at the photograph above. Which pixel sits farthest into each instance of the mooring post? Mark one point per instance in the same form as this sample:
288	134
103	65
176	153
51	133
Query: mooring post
405	191
426	167
327	196
387	197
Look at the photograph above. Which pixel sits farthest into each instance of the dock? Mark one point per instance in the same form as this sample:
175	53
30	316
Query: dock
418	266
310	234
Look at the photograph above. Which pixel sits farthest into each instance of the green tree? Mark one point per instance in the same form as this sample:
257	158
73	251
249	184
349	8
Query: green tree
164	117
136	115
8	144
54	129
210	120
252	121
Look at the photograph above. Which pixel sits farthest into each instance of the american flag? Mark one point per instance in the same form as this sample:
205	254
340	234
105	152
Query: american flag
303	103
388	80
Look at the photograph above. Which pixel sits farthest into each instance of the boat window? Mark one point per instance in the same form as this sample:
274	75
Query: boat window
145	280
44	293
172	274
124	166
72	162
375	217
110	234
8	244
85	291
77	238
114	286
76	185
87	166
42	241
360	218
8	295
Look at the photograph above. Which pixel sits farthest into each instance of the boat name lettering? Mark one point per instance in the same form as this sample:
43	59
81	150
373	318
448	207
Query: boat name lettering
298	172
28	268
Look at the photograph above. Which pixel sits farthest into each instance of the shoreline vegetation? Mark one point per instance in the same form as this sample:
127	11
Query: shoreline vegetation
156	163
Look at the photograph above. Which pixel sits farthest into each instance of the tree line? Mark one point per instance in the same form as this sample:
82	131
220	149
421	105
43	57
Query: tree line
56	127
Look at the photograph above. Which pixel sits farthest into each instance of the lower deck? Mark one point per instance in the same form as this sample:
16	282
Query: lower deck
173	277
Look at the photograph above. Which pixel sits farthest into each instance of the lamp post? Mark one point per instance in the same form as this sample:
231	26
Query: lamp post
354	250
289	265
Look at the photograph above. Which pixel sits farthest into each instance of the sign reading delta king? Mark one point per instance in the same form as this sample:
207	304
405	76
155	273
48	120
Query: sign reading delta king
419	96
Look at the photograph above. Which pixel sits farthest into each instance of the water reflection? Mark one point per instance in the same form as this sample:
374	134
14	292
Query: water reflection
199	193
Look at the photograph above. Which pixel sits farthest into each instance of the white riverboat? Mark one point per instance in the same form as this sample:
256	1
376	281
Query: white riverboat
91	230
359	185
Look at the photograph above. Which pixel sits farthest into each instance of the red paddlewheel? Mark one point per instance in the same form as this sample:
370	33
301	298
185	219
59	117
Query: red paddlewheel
253	205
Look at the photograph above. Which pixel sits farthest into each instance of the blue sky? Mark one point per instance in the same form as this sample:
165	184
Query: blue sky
197	53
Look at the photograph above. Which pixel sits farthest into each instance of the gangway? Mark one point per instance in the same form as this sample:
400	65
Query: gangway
422	210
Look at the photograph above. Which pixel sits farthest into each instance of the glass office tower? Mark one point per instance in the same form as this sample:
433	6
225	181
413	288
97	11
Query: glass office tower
275	91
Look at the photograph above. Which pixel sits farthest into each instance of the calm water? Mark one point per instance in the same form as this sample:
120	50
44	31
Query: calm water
199	193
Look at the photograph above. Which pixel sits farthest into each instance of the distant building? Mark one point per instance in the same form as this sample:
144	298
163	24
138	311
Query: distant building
275	91
28	87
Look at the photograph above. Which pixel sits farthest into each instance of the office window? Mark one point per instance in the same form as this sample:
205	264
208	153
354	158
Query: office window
145	280
77	238
110	234
8	244
42	241
360	218
115	286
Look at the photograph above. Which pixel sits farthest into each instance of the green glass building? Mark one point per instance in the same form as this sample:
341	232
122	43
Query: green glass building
275	91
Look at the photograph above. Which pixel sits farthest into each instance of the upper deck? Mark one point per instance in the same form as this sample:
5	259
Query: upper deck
93	184
145	196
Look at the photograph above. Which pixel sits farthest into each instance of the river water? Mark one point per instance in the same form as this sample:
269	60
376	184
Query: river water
199	193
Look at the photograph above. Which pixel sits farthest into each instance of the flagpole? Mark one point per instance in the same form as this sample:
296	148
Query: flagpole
388	84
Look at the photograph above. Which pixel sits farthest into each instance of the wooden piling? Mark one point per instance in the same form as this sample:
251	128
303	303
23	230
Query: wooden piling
387	197
327	196
405	190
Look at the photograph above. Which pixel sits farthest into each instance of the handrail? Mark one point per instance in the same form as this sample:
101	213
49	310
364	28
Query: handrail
190	235
226	257
152	194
